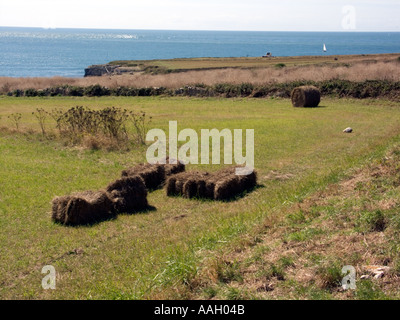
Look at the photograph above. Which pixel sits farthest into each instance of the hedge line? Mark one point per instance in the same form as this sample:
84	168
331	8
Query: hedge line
337	88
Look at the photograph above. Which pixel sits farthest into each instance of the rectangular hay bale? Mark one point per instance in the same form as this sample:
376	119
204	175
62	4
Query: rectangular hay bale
229	184
82	208
154	175
220	185
129	194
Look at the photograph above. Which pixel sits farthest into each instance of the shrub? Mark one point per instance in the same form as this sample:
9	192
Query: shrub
41	116
58	117
145	92
280	65
55	91
113	121
334	87
41	93
30	93
96	91
246	89
260	92
18	93
80	122
140	123
15	119
125	91
75	91
5	89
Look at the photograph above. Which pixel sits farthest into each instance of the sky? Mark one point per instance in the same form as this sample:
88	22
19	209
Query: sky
248	15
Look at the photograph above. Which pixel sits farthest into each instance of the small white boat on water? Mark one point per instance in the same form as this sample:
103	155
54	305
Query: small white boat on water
324	49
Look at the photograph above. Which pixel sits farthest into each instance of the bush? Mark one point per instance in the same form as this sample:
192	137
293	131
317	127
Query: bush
75	91
246	89
233	90
55	91
260	92
30	93
18	93
125	92
41	93
145	92
96	91
335	87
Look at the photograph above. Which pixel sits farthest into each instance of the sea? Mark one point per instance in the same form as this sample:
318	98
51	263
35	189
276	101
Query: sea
36	52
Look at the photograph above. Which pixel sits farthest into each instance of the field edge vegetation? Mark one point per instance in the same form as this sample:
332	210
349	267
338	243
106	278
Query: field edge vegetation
298	251
385	89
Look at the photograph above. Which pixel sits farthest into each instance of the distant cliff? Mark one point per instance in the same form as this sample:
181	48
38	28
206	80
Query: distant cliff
112	69
100	70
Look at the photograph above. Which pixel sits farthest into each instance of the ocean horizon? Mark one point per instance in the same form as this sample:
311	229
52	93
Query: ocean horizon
38	52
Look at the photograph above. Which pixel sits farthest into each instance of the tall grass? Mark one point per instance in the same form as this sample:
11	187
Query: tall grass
374	70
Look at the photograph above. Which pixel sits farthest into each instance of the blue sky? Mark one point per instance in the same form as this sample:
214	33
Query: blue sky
258	15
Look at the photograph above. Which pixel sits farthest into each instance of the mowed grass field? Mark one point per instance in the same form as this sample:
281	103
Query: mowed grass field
152	254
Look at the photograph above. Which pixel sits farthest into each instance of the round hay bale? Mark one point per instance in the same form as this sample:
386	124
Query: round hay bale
305	97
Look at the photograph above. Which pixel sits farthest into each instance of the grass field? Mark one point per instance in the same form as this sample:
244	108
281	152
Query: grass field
249	62
156	253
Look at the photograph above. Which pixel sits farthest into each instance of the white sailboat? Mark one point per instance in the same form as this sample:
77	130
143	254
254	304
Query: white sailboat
324	48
